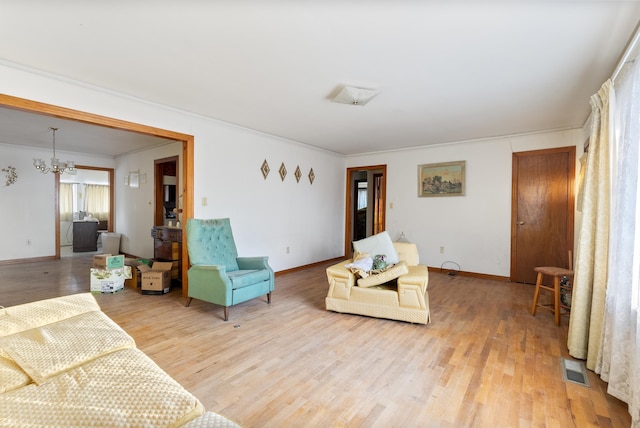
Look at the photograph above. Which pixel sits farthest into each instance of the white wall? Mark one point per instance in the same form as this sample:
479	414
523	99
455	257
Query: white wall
267	215
475	229
134	211
270	215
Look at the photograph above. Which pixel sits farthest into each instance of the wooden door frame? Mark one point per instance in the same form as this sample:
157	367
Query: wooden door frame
571	151
381	209
348	230
22	104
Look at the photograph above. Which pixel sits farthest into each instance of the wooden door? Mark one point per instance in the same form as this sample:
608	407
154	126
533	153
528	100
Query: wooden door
542	210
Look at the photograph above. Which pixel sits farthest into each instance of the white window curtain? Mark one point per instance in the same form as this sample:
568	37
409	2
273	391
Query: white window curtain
590	280
97	201
618	360
66	202
604	326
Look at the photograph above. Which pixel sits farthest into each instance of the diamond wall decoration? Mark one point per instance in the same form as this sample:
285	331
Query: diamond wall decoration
265	169
312	176
283	171
298	174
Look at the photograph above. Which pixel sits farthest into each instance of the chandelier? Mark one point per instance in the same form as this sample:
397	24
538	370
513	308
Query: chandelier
57	167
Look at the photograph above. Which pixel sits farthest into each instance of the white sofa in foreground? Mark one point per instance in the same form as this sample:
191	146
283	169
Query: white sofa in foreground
64	363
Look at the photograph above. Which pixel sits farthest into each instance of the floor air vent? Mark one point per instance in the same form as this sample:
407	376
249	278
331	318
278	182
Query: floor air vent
575	372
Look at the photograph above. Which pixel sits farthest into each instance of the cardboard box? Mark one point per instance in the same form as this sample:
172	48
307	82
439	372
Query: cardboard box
109	281
135	281
156	279
108	261
136	276
175	270
100	261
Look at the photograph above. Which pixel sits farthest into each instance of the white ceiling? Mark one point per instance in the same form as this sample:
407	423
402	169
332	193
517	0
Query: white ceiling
447	71
28	129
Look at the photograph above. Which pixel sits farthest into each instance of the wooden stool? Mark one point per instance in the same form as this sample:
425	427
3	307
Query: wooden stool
557	305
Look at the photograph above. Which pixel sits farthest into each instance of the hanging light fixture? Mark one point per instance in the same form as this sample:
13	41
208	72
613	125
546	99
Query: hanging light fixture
57	167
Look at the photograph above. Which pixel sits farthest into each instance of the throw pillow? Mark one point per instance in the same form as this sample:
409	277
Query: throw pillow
361	265
378	244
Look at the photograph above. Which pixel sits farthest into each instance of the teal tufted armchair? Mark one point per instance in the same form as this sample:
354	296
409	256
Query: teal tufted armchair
217	274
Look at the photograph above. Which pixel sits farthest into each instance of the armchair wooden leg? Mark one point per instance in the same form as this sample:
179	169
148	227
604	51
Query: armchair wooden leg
226	313
269	298
189	299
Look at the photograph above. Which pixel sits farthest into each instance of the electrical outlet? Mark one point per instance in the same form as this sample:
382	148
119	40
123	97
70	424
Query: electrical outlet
288	250
441	250
204	201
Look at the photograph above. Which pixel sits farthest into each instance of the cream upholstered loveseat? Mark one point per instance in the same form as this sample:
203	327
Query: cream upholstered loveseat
404	298
64	363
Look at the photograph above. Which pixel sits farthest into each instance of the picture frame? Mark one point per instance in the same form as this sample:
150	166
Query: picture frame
134	179
441	179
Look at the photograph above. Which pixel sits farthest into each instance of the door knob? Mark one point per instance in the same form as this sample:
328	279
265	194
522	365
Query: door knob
520	223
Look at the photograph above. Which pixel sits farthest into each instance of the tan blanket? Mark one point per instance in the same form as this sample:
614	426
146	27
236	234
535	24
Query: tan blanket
36	314
46	351
123	388
63	363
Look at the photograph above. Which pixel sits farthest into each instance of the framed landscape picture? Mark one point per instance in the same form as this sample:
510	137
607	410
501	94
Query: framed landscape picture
441	179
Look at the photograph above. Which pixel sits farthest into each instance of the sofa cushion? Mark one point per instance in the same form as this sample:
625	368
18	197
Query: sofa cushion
385	276
243	278
379	244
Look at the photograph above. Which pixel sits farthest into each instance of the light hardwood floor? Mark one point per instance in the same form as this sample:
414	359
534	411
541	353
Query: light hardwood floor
484	361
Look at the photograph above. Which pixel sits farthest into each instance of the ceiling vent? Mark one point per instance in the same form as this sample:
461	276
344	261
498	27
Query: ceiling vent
355	96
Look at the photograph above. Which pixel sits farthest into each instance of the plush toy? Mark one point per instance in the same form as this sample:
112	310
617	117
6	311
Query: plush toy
379	262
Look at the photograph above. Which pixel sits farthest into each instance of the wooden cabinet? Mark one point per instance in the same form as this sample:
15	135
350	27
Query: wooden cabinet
85	236
167	247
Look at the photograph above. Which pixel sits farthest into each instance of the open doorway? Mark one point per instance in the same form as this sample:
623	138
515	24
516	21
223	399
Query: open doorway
85	201
365	204
167	197
187	157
